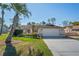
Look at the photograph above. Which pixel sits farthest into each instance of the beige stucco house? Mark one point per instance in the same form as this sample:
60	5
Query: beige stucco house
44	30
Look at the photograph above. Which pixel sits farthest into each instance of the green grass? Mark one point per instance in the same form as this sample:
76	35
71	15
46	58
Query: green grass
3	36
36	45
24	39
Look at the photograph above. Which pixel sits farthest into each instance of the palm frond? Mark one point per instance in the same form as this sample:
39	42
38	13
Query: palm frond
5	6
21	9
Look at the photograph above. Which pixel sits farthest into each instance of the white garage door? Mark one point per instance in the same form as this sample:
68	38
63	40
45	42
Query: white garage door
50	32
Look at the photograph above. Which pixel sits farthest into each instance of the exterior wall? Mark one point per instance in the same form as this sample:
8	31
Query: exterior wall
26	29
76	27
72	30
68	30
76	32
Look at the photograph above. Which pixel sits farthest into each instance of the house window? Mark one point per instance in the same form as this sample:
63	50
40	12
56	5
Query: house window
28	31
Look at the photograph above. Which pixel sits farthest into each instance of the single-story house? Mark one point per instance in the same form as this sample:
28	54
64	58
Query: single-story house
44	30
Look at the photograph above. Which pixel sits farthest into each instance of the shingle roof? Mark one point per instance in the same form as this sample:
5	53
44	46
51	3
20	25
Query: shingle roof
42	26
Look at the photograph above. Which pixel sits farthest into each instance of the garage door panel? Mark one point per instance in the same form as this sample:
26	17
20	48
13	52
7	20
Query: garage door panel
50	32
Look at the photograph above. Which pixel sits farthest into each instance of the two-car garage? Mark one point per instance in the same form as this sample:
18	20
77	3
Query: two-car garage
51	32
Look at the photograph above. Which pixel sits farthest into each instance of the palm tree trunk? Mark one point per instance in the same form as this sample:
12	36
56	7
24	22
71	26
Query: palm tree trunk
9	38
2	22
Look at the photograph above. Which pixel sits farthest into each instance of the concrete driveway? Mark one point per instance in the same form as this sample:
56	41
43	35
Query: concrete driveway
63	47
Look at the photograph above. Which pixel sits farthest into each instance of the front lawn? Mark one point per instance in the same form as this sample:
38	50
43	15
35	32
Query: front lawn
3	36
25	46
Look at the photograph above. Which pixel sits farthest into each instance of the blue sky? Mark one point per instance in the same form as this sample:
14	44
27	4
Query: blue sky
41	12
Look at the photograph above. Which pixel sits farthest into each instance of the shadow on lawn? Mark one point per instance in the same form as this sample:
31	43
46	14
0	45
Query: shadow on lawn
10	50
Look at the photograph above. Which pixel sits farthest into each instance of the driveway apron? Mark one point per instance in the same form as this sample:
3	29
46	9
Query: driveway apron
63	47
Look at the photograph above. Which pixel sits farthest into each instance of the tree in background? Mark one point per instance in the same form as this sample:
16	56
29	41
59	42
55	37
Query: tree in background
3	7
53	20
43	22
75	23
33	23
29	23
65	23
49	21
70	23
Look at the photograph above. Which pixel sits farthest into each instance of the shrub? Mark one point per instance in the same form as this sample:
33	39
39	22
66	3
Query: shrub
18	32
32	35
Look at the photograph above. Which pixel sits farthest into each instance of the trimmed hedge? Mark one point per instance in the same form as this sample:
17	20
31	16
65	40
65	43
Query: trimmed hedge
32	35
18	32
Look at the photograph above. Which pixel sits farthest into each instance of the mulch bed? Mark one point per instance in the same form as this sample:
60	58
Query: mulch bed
13	42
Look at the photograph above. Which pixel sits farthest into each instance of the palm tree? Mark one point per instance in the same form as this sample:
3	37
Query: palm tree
3	8
65	23
20	9
43	22
48	21
70	23
53	20
29	23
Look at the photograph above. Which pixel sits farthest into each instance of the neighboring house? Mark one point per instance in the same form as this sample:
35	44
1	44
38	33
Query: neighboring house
75	29
68	29
44	30
72	30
